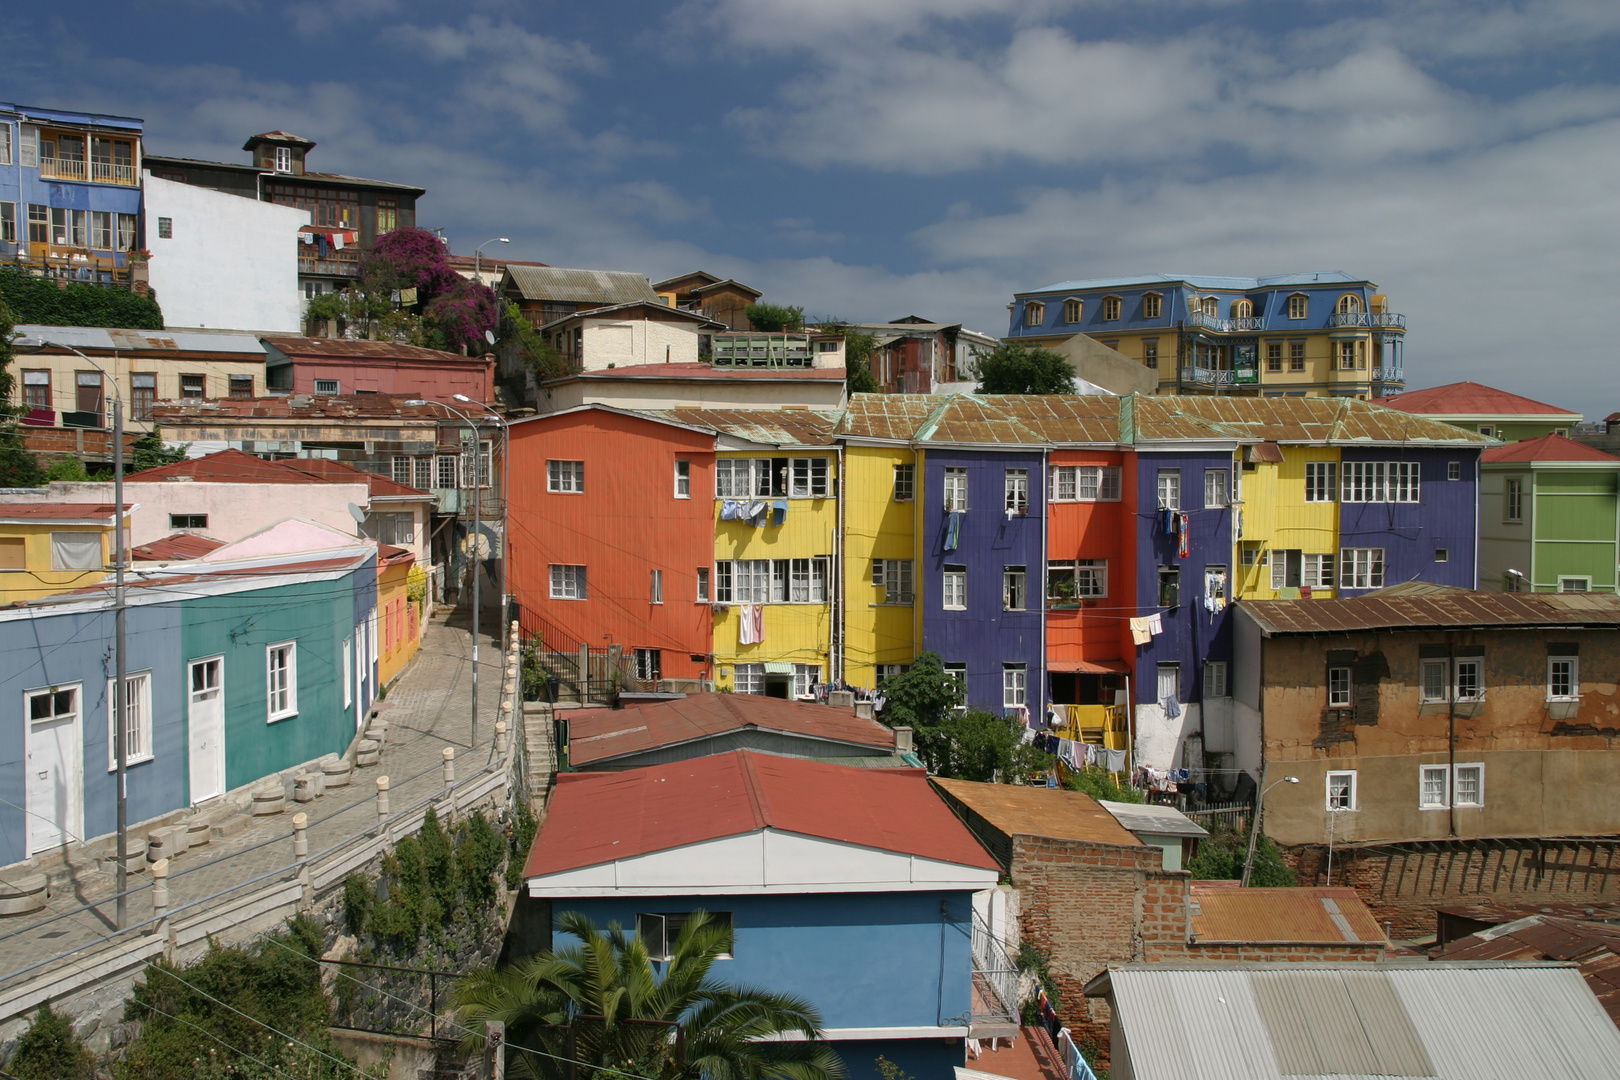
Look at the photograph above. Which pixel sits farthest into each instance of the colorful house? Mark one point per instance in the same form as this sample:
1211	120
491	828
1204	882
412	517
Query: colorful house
1549	517
1487	410
50	548
399	617
853	888
335	366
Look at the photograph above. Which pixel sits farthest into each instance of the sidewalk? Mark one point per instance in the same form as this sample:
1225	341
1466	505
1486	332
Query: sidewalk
427	709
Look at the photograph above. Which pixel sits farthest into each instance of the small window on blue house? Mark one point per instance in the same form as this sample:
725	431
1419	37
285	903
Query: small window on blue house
661	931
1034	313
1453	470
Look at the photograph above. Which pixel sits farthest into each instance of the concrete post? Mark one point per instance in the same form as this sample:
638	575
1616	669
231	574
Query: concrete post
300	840
500	736
495	1049
382	797
450	761
160	886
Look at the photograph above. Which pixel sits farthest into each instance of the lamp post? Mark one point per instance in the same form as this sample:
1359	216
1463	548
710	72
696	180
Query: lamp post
1254	826
506	507
120	736
478	262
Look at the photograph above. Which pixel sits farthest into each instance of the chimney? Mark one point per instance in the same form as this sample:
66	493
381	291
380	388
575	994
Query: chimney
863	709
902	740
841	699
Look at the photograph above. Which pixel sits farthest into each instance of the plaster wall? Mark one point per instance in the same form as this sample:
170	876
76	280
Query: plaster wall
877	526
233	510
739	392
626	342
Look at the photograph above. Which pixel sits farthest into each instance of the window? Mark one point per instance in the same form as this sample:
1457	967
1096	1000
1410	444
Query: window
1016	487
5	144
567	582
284	159
1169	682
656	592
485	461
1563	678
126	232
1432	787
327	386
1318	571
1152	305
400	469
1014	685
649	665
659	933
137	721
1361	568
1110	309
1169	489
193	386
1287	568
745	478
1072	310
1215	679
282	664
1349	303
750	679
188	521
1442	554
1432	682
683	478
1090	577
13	553
1296	356
1453	470
396	529
1299	306
565	476
1034	313
808	478
1574	584
1486	429
1321	481
387	215
1210	306
806	677
1468	785
447	470
76	551
1169	586
703	584
165	228
89	398
1338	688
1014	588
904	483
954	588
101	230
1216	487
893	576
1341	791
1381	481
1084	483
1150	353
1470	683
1514	508
956	489
37	389
422	472
799	581
885	672
55	704
1347	355
1273	356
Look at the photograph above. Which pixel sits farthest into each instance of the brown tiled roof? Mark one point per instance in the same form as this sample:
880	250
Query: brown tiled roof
1547	448
603	734
1457	608
1594	946
1472	399
343	349
177	547
1303	916
1036	811
774	427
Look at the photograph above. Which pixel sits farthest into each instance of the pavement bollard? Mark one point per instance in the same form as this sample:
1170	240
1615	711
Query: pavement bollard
300	839
449	765
160	886
382	797
500	736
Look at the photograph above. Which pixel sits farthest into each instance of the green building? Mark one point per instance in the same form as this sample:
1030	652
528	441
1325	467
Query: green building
1549	517
1487	410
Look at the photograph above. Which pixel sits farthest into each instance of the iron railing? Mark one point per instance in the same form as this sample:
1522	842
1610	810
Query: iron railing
993	971
1389	374
1375	320
1210	376
1236	324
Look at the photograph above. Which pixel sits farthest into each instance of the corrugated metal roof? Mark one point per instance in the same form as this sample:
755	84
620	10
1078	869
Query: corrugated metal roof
1359	1021
1377	611
342	349
1548	448
1031	811
1473	399
95	337
1162	820
1315	420
1327	916
303	407
683	372
601	735
769	427
1594	946
572	285
886	416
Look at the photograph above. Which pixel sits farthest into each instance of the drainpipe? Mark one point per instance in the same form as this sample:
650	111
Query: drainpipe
1041	581
837	638
1479	464
1451	734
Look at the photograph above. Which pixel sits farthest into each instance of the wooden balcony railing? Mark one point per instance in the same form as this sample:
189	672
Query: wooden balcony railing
96	172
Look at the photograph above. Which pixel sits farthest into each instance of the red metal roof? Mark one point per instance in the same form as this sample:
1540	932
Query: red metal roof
705	371
595	818
239	467
341	472
1547	448
1291	915
97	513
344	349
603	734
1469	399
177	547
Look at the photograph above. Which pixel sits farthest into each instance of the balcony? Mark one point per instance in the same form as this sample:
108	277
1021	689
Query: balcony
337	264
1106	725
1208	376
1225	326
995	987
1389	375
95	172
1370	320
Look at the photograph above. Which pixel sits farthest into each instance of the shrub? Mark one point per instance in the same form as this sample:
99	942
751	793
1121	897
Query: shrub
1100	784
66	469
39	300
1221	854
357	899
774	318
49	1050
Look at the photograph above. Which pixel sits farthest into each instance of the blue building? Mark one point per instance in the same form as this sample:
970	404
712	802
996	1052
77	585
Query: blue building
231	673
70	191
1316	334
850	887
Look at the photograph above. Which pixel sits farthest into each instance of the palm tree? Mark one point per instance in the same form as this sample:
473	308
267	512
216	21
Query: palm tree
602	1005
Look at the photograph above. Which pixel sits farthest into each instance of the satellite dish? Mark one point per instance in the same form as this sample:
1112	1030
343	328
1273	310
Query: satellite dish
358	514
489	336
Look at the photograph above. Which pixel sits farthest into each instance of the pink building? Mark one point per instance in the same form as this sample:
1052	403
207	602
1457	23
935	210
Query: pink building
335	366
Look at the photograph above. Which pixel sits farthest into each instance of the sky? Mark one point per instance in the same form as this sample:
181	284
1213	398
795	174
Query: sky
872	159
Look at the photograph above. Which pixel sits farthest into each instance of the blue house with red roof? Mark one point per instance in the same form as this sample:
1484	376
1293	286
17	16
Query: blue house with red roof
851	887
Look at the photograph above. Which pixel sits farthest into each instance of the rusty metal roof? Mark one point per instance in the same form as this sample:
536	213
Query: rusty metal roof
1593	946
886	416
301	406
770	427
343	349
1286	420
1315	916
1036	811
599	735
1453	609
571	285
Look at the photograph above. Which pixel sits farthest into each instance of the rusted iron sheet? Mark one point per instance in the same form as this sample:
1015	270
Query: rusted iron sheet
1327	916
771	427
1453	609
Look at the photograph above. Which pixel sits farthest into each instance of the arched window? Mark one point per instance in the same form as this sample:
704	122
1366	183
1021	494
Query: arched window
1349	304
1110	310
1211	306
1152	305
1243	309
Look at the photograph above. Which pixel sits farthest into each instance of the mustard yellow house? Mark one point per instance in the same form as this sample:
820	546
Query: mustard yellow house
398	616
50	548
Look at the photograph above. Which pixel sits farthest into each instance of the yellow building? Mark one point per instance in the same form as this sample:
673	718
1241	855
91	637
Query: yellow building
399	617
50	548
1288	536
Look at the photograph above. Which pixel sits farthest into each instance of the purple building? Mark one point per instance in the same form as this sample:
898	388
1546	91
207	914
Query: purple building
1407	514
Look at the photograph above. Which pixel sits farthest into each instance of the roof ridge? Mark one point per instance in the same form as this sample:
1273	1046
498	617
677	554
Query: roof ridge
931	422
756	790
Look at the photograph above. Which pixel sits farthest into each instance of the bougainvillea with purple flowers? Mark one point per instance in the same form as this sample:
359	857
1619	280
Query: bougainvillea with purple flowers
411	258
463	313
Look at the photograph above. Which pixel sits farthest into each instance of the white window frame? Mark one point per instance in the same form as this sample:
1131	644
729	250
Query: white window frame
955	489
748	678
683	478
1216	683
287	692
1015	491
742	478
905	483
1453	470
569	582
1457	772
703	593
1477	665
1381	482
656	588
1217	487
1340	687
808	478
1015	587
1321	481
565	477
328	387
953	588
283	159
1442	673
1014	685
896	578
1168	487
1317	570
1440	776
348	672
805	679
1090	578
1513	500
1084	483
1361	568
137	723
1351	803
1583	584
1573	678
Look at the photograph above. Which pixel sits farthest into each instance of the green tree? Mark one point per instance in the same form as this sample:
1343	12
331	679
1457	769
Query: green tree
66	468
774	318
18	466
969	744
578	1002
1100	784
985	747
517	336
49	1050
148	452
1018	369
41	301
1221	854
858	349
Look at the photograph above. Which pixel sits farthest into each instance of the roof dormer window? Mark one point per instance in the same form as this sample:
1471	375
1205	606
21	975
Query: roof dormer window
1299	306
1034	313
1073	310
1110	308
1211	306
1152	305
284	159
1349	304
1243	309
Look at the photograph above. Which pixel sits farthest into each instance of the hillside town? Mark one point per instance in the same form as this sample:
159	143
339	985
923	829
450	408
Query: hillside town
427	663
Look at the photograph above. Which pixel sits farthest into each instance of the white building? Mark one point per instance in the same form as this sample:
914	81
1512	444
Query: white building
221	261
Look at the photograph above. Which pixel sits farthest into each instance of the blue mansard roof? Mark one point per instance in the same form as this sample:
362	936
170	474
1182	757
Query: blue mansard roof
1206	281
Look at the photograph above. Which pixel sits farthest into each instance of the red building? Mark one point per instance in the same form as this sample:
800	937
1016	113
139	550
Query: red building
332	366
612	526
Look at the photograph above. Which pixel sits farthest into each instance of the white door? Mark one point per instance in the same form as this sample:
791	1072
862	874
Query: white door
55	787
206	723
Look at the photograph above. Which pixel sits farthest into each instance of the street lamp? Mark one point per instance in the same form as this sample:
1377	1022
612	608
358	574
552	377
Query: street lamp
506	512
1254	826
478	256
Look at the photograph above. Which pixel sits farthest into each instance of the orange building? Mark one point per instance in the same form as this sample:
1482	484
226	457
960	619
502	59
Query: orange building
612	531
